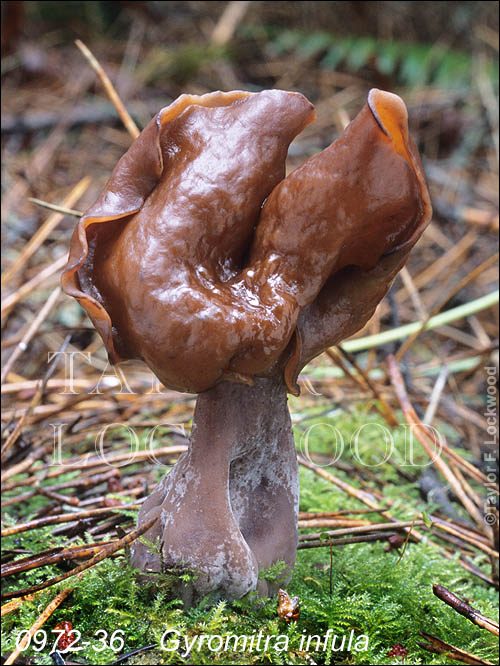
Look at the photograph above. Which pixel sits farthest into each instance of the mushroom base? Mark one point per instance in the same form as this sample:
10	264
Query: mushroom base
228	508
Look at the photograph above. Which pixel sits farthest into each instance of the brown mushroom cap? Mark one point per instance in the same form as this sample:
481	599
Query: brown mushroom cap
178	263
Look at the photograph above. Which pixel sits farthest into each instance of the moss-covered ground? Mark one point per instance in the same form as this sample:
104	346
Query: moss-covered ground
356	601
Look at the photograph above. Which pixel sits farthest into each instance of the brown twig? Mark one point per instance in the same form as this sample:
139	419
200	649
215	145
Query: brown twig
45	230
84	483
362	379
373	527
103	461
126	119
308	515
332	522
361	495
370	501
56	601
58	497
453	255
64	518
52	556
37	398
344	541
11	300
13	605
441	647
106	552
386	409
465	529
465	609
469	538
442	302
425	439
465	485
28	461
33	328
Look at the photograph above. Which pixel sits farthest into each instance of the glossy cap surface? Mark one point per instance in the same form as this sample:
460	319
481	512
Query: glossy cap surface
203	260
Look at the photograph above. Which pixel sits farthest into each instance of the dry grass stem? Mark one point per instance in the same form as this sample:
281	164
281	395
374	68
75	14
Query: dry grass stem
132	128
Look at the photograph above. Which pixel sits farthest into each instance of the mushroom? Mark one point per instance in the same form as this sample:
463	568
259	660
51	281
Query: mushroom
226	278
